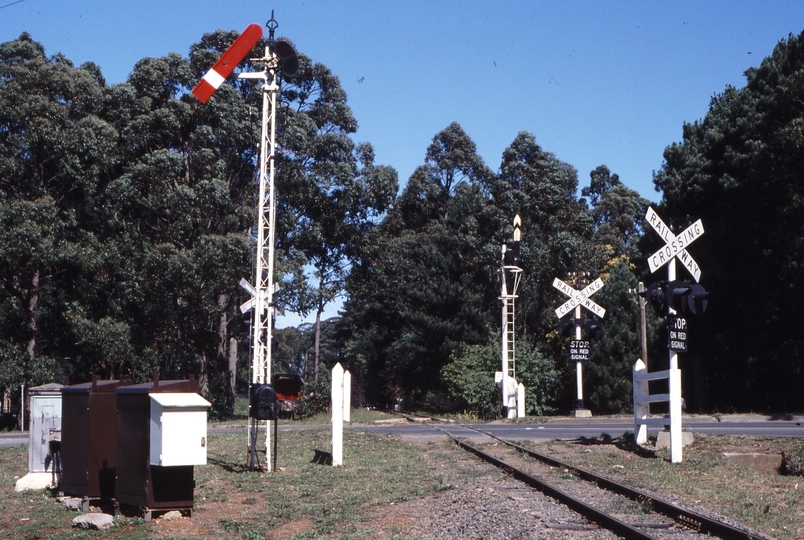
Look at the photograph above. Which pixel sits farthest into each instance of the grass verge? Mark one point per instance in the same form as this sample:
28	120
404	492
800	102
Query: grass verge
303	499
772	504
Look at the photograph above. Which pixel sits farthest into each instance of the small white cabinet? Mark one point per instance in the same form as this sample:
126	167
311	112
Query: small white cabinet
178	429
45	425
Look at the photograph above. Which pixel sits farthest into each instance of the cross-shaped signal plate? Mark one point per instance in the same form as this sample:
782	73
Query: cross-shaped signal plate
249	305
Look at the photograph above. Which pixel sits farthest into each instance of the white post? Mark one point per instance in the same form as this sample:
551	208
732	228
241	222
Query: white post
579	365
675	386
504	384
347	396
520	401
337	415
671	276
675	415
640	405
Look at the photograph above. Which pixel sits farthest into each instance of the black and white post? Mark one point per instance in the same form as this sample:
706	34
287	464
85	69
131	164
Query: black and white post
579	299
675	248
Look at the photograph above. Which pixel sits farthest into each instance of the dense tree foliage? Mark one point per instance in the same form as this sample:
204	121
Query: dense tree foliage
418	289
127	211
469	378
332	192
740	171
427	288
127	216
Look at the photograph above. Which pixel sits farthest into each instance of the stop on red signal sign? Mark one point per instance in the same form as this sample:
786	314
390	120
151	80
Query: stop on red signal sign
677	333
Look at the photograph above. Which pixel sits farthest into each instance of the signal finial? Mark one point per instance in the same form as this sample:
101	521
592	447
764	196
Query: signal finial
272	25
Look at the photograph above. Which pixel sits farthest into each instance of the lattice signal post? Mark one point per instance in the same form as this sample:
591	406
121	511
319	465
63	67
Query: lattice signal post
510	277
279	57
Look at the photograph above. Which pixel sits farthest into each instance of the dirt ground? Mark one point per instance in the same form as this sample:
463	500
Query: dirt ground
391	520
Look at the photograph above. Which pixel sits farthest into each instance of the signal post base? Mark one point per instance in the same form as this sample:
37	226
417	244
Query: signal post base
581	413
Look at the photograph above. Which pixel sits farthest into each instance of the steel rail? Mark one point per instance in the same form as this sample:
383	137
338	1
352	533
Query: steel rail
688	518
589	512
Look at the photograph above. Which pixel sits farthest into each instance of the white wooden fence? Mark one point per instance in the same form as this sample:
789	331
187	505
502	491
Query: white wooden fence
642	399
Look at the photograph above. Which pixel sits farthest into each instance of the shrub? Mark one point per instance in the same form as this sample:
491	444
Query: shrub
469	378
793	462
316	398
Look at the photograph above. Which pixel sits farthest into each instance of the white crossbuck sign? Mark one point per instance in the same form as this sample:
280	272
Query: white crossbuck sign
249	305
675	245
579	298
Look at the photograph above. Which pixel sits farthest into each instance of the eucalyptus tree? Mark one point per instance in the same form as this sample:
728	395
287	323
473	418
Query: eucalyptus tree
421	286
556	226
330	193
739	170
179	210
187	197
128	209
617	214
57	153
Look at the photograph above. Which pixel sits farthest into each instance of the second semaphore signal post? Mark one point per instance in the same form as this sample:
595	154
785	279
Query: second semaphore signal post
512	393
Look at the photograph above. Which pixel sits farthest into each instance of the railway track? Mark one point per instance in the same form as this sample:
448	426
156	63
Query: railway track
625	511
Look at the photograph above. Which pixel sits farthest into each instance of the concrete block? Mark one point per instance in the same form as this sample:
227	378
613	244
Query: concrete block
581	413
769	463
663	440
34	480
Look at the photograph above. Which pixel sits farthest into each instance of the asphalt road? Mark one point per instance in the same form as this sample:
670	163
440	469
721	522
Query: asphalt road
556	428
13	438
569	428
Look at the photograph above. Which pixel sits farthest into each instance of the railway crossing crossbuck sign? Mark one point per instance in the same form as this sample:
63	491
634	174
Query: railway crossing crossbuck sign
675	245
579	298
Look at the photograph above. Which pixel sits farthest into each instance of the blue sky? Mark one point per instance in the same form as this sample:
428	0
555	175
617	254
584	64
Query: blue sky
596	82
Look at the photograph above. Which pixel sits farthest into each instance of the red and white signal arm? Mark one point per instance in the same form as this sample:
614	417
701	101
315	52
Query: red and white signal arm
227	62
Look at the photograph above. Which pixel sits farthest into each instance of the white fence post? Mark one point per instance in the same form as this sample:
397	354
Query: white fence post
337	415
347	396
640	406
642	398
520	401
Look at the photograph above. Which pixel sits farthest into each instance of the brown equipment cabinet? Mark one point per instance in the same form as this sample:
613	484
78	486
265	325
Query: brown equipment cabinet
139	483
89	439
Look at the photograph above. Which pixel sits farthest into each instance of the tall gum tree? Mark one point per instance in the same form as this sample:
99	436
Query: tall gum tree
420	288
330	192
739	170
140	201
56	155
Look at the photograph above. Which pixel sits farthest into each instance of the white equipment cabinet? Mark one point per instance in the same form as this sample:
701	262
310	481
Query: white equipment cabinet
178	429
45	425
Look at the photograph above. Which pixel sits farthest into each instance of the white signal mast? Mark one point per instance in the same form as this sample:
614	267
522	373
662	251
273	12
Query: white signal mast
263	287
279	56
513	398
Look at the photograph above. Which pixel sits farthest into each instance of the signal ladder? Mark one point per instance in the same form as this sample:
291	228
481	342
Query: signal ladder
510	341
